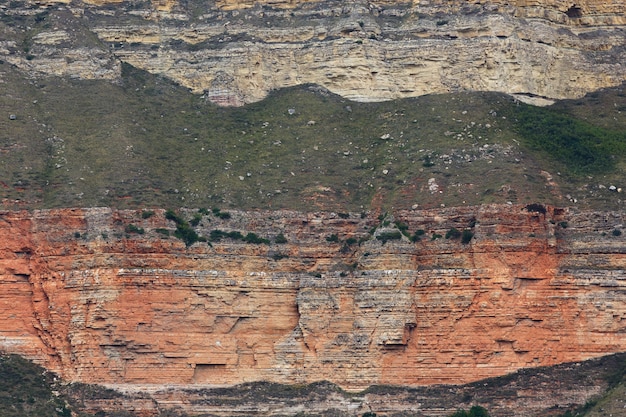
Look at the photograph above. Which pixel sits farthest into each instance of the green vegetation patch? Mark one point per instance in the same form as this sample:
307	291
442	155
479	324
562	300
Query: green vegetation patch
26	390
475	411
581	147
184	231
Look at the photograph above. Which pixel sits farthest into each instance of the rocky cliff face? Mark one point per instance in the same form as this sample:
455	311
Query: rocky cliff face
105	296
235	51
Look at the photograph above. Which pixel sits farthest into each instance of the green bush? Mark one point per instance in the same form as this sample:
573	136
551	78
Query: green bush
183	231
401	225
279	256
171	215
387	236
146	214
254	238
197	218
536	208
221	214
217	235
616	232
162	231
475	411
280	239
466	236
417	235
332	238
427	162
453	233
186	234
224	215
131	228
235	235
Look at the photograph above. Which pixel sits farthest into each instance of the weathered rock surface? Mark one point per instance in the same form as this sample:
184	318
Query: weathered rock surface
235	51
84	294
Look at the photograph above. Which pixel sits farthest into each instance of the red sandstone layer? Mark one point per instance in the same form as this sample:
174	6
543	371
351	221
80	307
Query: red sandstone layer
85	296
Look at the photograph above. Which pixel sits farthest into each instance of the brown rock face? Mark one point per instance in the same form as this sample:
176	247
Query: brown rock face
93	298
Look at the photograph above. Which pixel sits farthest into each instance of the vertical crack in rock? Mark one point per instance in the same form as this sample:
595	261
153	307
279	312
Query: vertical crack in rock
298	331
49	317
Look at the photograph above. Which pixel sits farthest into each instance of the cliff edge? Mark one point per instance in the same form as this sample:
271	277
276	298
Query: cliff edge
421	297
235	51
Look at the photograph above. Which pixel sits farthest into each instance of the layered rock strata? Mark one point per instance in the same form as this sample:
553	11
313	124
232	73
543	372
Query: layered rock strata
104	296
235	52
528	393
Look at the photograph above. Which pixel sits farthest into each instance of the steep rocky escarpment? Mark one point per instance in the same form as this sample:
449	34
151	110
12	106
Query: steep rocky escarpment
234	52
105	296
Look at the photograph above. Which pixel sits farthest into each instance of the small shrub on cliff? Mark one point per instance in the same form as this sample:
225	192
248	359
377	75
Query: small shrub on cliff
131	228
403	227
536	208
386	236
221	214
197	218
415	237
475	411
278	256
183	230
280	239
224	215
466	236
453	233
332	238
616	232
186	234
254	238
162	231
146	214
171	215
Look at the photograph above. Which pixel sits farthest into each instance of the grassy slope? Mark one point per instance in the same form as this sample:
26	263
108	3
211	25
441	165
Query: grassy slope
26	390
148	142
